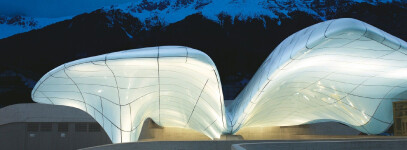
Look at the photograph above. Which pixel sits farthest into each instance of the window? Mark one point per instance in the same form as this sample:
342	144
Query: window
81	127
46	126
94	127
32	127
62	127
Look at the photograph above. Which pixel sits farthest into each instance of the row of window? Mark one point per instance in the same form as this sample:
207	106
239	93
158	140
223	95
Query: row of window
45	126
62	127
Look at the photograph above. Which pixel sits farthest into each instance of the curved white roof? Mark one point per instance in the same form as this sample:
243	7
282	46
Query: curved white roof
174	86
340	70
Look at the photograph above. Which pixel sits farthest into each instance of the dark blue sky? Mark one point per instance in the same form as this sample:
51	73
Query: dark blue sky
53	8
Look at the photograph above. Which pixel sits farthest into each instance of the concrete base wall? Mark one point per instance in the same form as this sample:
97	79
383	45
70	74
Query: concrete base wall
12	136
366	143
15	136
289	132
170	145
153	132
359	144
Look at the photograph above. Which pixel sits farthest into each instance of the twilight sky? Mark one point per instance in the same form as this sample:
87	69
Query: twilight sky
53	8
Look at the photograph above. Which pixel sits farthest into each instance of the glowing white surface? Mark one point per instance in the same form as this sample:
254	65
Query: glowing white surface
340	70
174	86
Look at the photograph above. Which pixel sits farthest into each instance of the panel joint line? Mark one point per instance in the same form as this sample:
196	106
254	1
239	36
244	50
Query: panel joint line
83	98
159	85
118	96
196	102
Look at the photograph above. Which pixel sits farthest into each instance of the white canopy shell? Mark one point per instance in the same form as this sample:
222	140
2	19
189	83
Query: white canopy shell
341	70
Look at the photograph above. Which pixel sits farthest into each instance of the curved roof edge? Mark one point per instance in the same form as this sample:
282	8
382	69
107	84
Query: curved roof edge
132	53
295	46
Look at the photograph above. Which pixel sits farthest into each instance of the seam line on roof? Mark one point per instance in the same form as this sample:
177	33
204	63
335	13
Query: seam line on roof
101	106
328	27
118	96
189	118
210	125
186	58
47	97
159	85
83	98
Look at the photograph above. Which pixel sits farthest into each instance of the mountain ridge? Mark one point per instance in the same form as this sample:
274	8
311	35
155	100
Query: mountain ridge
164	12
11	25
237	46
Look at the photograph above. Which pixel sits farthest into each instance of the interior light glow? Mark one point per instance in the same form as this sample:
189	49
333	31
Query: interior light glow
181	88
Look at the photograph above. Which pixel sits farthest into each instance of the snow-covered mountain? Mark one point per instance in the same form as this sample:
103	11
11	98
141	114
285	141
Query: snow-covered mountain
164	12
248	29
18	24
169	11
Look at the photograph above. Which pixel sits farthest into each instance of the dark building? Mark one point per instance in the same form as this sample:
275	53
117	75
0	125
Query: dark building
400	118
39	126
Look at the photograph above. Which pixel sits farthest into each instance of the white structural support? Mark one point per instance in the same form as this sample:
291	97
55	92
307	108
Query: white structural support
341	70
